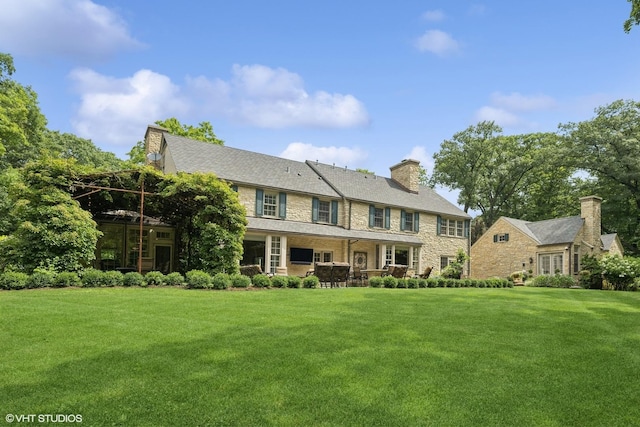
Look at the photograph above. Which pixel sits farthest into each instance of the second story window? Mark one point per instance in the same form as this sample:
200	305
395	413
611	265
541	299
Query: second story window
409	221
379	217
271	204
453	227
324	211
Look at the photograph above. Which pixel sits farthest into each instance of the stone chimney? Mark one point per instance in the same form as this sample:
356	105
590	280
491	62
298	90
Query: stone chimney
407	174
591	213
153	140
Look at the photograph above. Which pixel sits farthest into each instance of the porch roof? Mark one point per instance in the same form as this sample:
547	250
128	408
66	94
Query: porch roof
328	231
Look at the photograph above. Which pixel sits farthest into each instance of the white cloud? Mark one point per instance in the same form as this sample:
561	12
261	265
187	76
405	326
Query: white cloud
501	116
115	111
518	102
515	110
433	15
341	156
420	154
67	28
275	98
438	42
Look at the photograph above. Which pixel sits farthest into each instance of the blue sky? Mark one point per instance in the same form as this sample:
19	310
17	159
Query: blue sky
362	84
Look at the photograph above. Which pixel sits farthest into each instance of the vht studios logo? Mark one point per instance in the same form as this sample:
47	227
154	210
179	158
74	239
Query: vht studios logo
43	418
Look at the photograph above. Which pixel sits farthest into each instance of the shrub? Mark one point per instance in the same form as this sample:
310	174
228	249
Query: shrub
390	282
261	281
432	282
294	282
112	278
91	278
221	281
65	279
591	274
40	278
376	282
279	281
422	283
620	272
240	281
402	283
133	278
413	283
310	282
154	278
174	279
13	280
552	281
198	279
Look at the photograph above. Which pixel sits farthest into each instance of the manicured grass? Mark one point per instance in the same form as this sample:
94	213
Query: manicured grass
323	357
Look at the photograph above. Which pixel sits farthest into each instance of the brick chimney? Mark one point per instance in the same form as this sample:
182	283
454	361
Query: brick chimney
407	174
152	140
590	211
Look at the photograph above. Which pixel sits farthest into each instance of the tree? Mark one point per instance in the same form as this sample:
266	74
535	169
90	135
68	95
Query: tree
209	218
69	146
48	228
21	122
634	15
608	148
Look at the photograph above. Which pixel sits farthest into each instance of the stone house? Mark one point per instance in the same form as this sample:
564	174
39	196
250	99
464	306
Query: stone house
543	247
300	213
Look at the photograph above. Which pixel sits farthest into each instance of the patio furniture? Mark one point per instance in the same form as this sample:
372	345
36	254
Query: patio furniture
396	270
426	274
322	271
358	276
340	273
250	270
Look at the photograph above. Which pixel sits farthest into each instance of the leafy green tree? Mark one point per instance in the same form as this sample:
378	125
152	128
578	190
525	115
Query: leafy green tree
365	171
503	175
634	15
608	148
209	218
21	122
69	146
48	228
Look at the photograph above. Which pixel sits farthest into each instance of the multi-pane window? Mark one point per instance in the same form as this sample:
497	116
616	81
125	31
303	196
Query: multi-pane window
550	264
415	258
276	251
445	261
408	221
452	227
576	259
270	204
378	217
388	255
322	256
324	211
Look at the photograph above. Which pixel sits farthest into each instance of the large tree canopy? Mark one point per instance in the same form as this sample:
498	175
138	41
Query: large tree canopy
500	175
634	15
608	148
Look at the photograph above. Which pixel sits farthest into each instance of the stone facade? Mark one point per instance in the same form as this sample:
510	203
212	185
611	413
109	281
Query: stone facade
153	140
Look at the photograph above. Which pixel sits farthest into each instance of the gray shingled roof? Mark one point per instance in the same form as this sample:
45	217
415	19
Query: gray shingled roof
551	231
607	240
376	189
242	166
311	229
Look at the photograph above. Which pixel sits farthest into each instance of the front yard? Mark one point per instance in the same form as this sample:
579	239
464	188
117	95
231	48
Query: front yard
292	357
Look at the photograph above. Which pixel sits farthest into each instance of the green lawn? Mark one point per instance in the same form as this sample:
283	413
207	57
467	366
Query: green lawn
328	357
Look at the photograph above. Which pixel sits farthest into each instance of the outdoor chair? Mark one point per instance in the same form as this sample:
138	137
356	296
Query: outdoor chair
426	274
250	270
322	270
340	273
398	271
358	276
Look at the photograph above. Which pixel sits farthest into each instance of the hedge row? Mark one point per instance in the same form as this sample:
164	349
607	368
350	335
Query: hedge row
437	282
198	279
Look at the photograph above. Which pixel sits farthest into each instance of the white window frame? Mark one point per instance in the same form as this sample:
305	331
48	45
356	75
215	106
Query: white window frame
322	256
550	262
378	221
324	211
270	205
